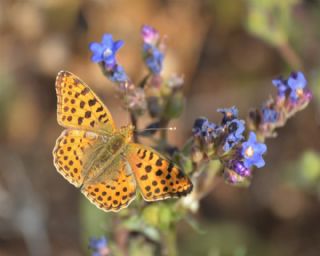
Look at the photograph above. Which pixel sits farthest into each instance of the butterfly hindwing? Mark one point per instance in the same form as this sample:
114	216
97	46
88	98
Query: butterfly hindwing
114	189
69	151
79	107
156	177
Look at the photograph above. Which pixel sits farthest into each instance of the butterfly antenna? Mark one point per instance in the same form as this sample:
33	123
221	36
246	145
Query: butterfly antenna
173	128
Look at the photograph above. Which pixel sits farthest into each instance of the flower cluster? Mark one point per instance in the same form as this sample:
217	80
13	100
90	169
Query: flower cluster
104	54
292	96
99	246
161	97
224	136
226	141
239	167
231	145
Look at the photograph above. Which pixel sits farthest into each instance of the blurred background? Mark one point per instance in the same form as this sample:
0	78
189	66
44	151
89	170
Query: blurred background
229	51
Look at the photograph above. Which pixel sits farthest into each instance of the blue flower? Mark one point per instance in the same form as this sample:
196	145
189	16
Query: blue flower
252	152
149	35
204	129
281	85
208	130
269	115
105	51
228	113
234	129
117	74
197	126
297	82
98	243
153	58
99	246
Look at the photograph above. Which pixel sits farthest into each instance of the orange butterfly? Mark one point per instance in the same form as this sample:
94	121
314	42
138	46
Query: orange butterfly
92	154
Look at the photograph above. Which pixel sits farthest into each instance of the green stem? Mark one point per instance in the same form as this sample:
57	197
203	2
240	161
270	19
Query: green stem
290	56
170	240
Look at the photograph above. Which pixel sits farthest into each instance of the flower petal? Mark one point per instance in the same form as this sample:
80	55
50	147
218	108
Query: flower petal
260	148
247	162
107	40
259	162
252	137
95	47
117	45
297	81
96	58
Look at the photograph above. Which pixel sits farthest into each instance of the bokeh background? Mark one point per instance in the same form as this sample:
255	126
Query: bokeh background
228	52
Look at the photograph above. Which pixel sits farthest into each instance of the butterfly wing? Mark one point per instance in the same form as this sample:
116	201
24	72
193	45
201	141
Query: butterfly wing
68	153
114	189
78	149
157	177
79	107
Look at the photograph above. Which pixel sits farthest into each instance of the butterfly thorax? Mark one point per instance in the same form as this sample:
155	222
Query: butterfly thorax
126	132
107	153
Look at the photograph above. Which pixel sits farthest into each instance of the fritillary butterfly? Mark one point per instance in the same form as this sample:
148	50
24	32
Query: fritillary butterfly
101	160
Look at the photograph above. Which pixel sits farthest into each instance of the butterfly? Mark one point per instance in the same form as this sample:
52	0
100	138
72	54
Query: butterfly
101	160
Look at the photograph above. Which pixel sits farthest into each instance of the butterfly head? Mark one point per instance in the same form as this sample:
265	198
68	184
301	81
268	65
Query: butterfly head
127	132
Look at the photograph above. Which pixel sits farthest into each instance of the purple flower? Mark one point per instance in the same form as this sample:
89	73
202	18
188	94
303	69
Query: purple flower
105	51
228	113
152	54
297	82
252	152
233	178
149	35
234	130
153	58
281	85
269	115
99	246
240	169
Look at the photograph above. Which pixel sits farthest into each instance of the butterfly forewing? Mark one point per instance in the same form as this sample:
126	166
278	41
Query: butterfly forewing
156	177
79	107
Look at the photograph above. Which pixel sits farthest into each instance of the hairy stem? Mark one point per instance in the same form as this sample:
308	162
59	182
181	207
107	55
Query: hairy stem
134	122
144	81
